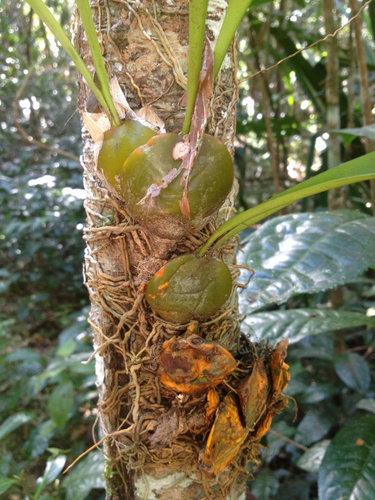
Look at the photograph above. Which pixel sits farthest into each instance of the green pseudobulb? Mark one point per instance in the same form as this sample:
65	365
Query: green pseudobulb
119	142
210	182
189	287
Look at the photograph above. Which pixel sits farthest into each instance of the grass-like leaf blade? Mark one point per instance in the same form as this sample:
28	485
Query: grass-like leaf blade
88	25
43	12
233	16
360	169
197	24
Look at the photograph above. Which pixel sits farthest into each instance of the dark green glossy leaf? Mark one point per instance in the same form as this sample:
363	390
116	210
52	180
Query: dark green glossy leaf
353	370
15	421
265	485
295	324
312	458
314	426
39	439
61	402
86	475
319	392
306	253
348	468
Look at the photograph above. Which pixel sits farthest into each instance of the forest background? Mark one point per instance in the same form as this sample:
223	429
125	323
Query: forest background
48	397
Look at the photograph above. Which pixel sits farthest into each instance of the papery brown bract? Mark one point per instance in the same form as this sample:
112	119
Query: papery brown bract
192	366
212	403
265	421
279	369
225	439
253	393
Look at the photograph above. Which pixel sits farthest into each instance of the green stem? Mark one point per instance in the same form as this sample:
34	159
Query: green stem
197	24
88	25
360	169
48	19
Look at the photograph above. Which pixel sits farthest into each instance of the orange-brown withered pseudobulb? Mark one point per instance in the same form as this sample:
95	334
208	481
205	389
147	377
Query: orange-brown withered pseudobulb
193	365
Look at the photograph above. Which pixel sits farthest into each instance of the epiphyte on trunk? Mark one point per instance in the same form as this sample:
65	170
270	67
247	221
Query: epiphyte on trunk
152	164
189	287
193	365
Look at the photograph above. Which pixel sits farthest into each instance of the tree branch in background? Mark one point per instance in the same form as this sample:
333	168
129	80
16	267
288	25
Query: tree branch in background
366	101
270	140
332	95
264	88
23	132
331	35
287	440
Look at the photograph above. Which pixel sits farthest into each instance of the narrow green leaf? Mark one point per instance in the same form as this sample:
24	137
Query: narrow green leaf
48	19
349	134
233	16
88	25
348	467
61	402
312	458
353	370
197	24
53	468
305	253
15	421
6	483
360	169
295	324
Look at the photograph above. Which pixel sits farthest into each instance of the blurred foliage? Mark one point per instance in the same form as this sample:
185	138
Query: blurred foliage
48	396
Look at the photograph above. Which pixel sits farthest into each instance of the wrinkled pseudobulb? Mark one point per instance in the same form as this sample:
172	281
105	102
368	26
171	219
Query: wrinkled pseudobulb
210	182
193	365
225	439
189	287
118	143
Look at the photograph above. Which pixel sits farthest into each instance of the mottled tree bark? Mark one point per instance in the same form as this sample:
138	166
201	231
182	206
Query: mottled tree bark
146	47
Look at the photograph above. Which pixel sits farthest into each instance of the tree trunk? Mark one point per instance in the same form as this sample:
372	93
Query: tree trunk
146	47
333	98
